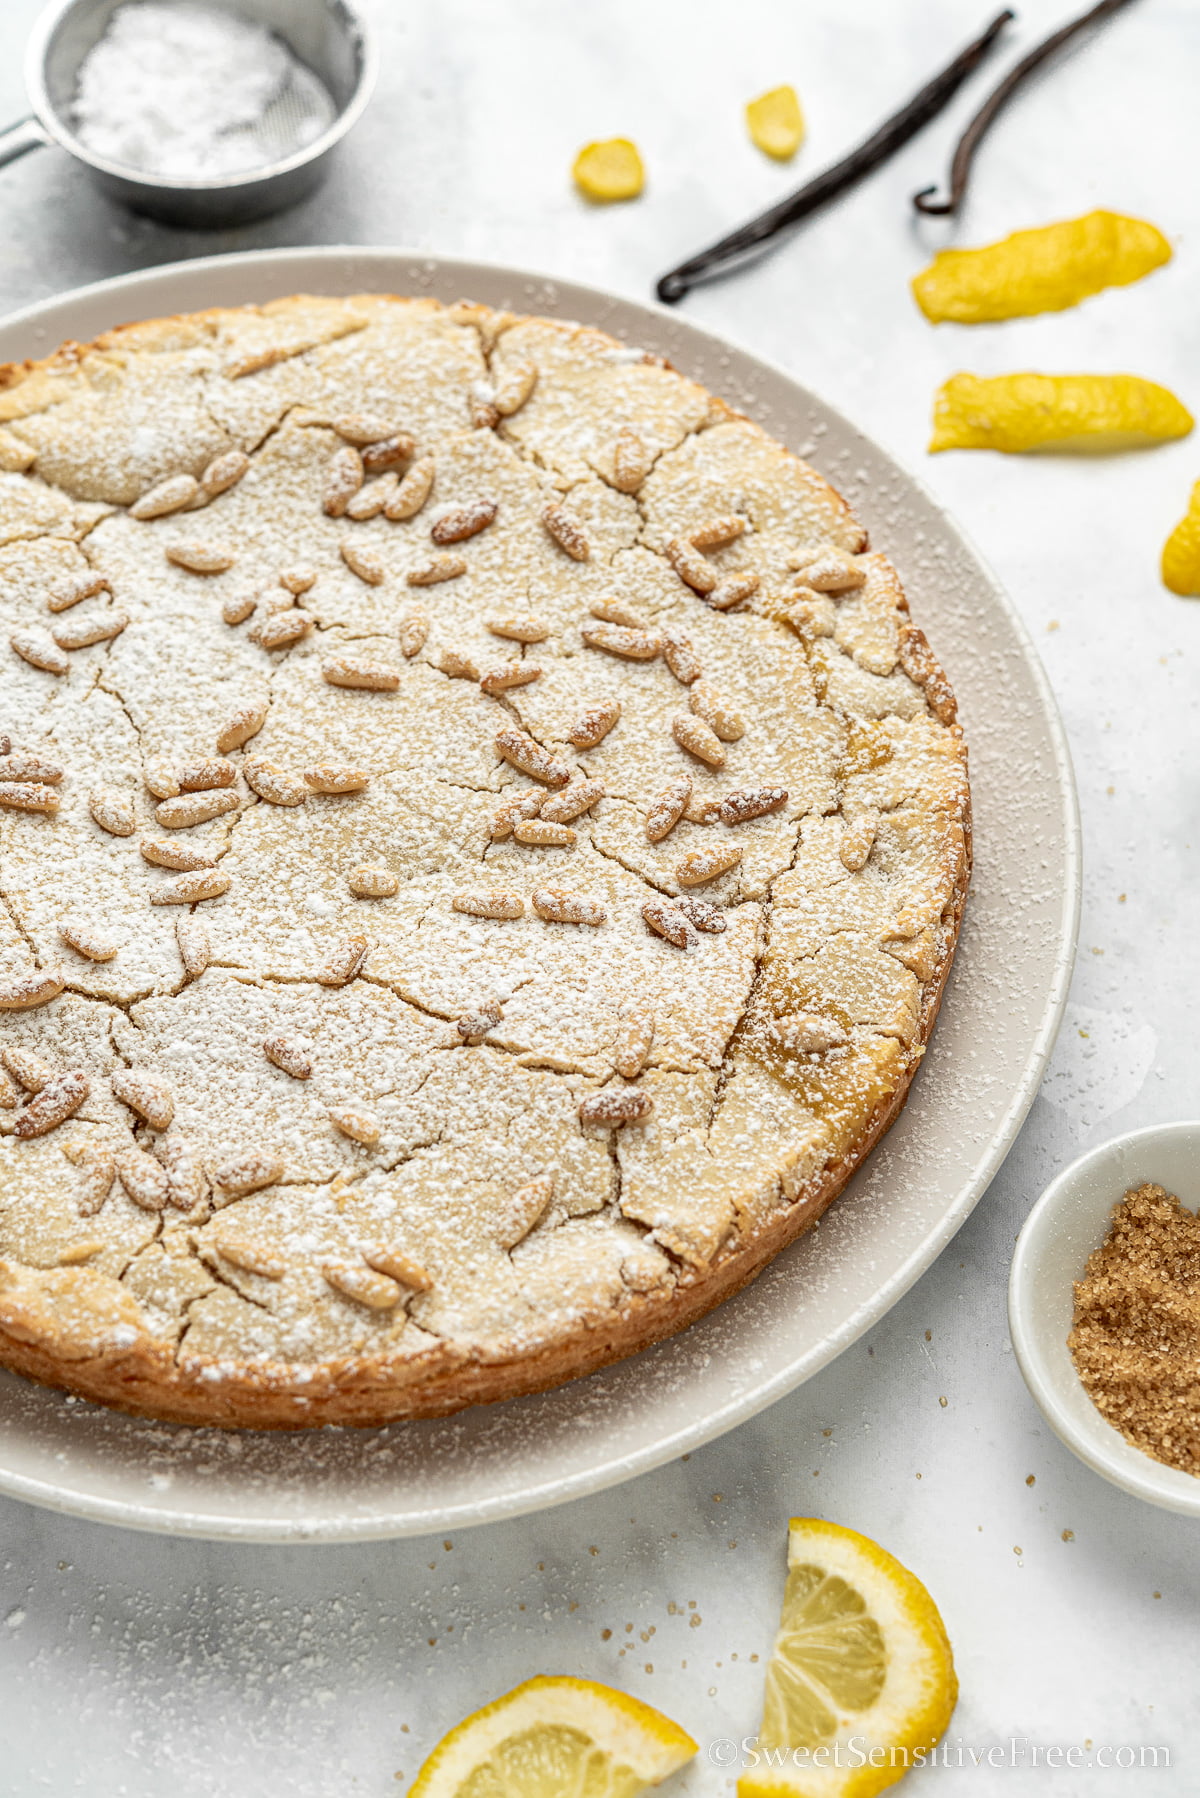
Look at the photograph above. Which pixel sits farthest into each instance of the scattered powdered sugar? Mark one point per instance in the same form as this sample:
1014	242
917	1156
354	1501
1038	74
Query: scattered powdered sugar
1100	1064
414	1112
919	1183
187	91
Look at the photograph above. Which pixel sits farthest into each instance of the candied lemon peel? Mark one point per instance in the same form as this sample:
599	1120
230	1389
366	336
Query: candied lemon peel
1084	414
862	1663
775	122
610	169
1181	552
553	1735
1044	270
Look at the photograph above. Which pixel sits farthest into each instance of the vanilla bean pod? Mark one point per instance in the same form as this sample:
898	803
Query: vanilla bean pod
972	137
891	136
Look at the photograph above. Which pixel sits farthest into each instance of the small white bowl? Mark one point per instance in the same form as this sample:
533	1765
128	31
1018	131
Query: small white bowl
1070	1220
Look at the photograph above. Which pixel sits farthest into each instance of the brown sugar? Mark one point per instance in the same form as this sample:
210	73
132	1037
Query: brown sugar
1136	1334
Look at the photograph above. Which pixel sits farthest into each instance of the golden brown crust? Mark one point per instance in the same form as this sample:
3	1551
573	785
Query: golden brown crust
147	1383
866	658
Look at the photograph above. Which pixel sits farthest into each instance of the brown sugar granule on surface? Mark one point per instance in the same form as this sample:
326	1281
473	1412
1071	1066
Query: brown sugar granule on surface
1135	1339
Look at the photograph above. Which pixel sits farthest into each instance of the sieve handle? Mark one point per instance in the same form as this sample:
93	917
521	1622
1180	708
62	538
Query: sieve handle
26	134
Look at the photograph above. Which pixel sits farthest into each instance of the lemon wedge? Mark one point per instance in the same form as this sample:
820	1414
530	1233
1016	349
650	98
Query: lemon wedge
1087	414
860	1684
1181	552
1045	270
610	170
776	123
556	1735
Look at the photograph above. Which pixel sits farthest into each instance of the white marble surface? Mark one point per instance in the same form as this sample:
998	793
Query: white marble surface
135	1665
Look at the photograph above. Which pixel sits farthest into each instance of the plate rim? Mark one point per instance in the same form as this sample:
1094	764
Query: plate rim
75	1500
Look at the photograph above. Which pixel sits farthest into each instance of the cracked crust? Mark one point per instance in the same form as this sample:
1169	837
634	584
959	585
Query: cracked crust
400	1212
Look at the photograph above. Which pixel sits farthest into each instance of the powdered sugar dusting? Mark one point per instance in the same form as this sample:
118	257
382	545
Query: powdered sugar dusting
682	1357
189	91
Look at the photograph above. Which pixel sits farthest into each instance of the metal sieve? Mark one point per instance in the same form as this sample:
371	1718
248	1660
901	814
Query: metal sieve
327	36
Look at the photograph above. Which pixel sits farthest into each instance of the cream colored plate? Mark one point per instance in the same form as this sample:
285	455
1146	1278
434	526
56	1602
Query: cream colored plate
977	1083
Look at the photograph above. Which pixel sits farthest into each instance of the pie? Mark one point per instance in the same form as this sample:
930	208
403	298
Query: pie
482	843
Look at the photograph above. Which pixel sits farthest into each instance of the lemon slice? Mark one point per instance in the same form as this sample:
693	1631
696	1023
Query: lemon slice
1181	552
776	123
1045	270
610	170
1087	414
861	1681
551	1736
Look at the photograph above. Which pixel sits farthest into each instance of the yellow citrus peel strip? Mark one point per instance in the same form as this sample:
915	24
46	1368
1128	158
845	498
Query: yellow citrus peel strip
1181	552
1081	414
775	122
1045	270
610	170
